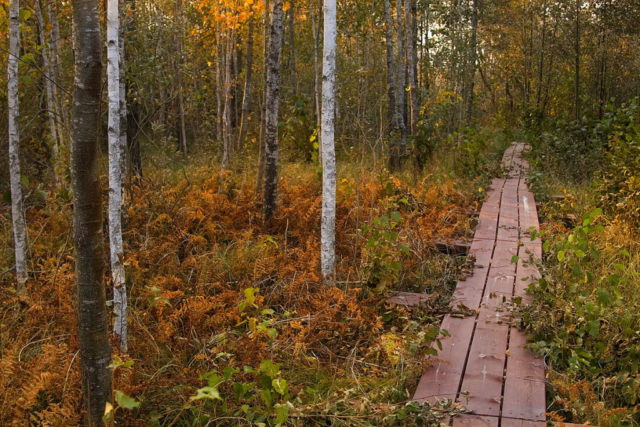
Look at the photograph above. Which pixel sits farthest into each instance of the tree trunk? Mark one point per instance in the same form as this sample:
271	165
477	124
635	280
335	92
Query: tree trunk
219	84
48	74
183	130
411	58
273	99
227	128
115	173
315	28
123	88
95	352
400	85
577	70
56	65
542	48
247	87
474	59
292	49
262	156
131	108
328	227
17	212
394	158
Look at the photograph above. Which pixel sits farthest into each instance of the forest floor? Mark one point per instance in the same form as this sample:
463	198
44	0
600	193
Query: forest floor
229	322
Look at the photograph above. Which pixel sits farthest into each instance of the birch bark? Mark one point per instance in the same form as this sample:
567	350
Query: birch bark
328	226
115	172
48	74
17	212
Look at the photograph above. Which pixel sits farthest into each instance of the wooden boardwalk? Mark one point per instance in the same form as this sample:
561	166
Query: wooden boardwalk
484	364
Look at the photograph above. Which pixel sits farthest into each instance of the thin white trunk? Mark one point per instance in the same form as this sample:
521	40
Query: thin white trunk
328	228
17	214
115	175
48	74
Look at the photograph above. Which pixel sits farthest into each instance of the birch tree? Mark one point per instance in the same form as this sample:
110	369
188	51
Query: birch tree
409	7
394	154
17	213
400	85
115	172
48	74
247	86
272	152
328	227
95	352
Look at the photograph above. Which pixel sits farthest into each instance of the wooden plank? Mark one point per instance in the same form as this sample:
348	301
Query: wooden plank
510	422
503	253
482	382
408	298
442	379
483	251
524	392
474	421
563	424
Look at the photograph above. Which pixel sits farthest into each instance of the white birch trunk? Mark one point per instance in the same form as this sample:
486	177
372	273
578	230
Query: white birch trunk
48	75
17	214
115	175
328	227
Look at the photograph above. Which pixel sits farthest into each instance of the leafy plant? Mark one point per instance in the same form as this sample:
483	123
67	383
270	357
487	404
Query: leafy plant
384	251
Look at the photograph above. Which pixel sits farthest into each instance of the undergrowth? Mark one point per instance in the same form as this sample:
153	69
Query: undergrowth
586	316
229	322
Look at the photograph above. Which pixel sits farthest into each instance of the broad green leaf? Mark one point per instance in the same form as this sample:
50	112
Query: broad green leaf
210	393
280	385
125	401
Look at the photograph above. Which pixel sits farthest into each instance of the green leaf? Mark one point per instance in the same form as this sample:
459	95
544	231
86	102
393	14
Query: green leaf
24	14
210	393
561	256
396	216
228	372
25	181
266	397
593	328
625	253
613	280
545	245
125	401
280	386
283	413
514	259
270	368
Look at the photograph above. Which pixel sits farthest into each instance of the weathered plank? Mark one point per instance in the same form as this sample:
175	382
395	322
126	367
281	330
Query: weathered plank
510	422
524	391
442	379
474	421
482	382
408	298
